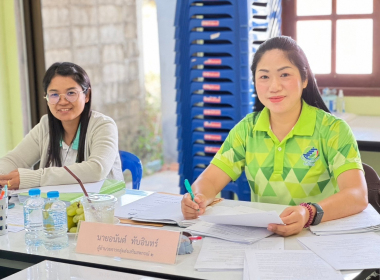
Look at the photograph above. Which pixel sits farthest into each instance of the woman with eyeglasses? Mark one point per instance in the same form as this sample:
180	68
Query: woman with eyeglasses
71	134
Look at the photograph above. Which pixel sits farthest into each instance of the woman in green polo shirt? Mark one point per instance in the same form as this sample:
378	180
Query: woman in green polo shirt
293	151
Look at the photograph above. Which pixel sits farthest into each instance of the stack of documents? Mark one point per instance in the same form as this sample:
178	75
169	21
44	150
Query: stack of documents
160	208
240	234
366	221
287	264
219	255
165	214
166	208
346	252
155	208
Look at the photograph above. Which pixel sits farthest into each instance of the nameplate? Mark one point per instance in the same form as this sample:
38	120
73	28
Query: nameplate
128	242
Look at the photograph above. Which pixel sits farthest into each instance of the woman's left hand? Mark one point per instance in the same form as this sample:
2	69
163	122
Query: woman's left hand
12	179
294	218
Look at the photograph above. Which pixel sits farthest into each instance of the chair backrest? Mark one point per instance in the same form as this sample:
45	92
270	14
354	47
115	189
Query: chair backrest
373	185
132	162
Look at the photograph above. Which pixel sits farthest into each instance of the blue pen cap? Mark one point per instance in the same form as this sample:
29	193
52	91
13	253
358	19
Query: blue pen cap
34	192
53	194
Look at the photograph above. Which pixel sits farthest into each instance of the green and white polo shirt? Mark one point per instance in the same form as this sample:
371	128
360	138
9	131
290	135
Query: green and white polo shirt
303	167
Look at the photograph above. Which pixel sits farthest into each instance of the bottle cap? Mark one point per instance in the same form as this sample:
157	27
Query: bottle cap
340	94
34	192
53	194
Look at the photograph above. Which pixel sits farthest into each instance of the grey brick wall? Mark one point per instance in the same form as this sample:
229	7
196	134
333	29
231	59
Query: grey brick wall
100	36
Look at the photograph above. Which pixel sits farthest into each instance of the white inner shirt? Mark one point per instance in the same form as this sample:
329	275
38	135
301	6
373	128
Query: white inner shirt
68	154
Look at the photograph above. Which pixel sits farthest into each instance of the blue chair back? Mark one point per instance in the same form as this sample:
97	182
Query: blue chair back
243	192
131	162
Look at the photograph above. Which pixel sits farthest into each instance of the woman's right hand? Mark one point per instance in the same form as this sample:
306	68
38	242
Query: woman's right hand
192	209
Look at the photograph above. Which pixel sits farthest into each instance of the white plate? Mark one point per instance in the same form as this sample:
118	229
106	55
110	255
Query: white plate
115	222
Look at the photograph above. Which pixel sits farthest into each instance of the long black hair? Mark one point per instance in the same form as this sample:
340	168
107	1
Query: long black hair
297	57
56	131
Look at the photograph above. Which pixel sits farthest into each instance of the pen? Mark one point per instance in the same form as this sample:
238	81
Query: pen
188	188
195	238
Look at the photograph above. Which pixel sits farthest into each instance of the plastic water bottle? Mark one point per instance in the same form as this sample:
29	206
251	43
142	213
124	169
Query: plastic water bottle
33	222
55	222
340	102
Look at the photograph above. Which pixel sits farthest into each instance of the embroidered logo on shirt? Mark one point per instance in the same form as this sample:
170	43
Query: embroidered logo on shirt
310	156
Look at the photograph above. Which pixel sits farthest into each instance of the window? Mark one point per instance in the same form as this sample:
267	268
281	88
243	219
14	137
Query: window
341	39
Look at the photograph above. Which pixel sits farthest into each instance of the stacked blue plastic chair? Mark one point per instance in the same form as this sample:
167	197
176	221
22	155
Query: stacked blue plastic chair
215	40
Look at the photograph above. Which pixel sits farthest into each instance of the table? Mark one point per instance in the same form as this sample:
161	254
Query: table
367	132
49	270
13	248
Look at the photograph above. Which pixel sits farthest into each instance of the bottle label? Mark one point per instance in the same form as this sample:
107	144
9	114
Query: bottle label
55	220
32	218
26	217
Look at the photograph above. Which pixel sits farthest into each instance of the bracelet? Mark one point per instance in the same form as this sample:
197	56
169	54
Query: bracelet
308	207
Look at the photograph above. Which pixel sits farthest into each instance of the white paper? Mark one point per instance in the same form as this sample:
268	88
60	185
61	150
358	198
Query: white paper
138	207
245	210
74	188
15	219
245	270
367	218
351	231
161	208
217	254
287	264
347	252
210	210
15	228
16	216
166	213
171	213
262	219
231	233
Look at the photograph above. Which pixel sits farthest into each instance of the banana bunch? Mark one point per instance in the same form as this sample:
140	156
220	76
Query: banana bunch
75	213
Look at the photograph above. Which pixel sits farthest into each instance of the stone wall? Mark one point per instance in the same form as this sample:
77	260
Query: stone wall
101	37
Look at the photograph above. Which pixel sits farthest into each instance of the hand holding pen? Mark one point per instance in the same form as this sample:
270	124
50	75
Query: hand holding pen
192	205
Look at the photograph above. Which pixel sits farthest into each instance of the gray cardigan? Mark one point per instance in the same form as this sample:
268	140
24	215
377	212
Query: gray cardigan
101	156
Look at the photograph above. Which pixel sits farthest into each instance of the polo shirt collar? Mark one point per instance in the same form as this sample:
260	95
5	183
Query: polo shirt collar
304	126
306	122
263	123
75	144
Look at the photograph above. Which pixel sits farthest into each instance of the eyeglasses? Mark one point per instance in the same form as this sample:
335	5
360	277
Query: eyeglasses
71	96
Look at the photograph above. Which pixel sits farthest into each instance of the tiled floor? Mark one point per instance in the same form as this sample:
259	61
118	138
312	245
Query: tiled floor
163	181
